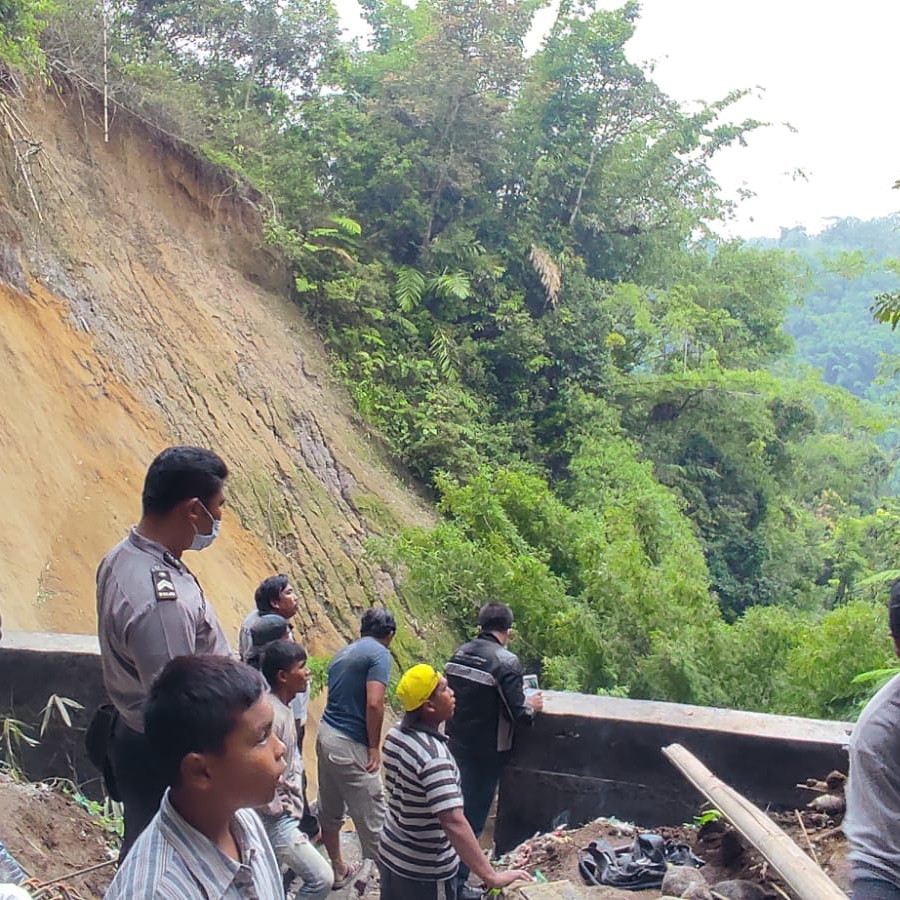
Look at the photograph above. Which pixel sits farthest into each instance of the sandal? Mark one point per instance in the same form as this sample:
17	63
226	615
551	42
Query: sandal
352	872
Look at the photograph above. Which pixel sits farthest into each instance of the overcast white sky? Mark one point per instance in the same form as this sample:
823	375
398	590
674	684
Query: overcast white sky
828	68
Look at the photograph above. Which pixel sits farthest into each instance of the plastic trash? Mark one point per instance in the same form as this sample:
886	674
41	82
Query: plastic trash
641	865
10	871
13	892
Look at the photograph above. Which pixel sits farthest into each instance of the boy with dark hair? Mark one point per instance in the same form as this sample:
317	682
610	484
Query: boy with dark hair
151	608
275	596
872	822
486	678
425	832
348	746
284	668
264	631
208	722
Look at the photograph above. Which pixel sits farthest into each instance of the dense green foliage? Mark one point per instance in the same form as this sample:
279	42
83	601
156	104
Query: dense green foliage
848	265
510	258
21	25
848	269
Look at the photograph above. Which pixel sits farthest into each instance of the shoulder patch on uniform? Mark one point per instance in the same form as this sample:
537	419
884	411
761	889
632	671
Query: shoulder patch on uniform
163	586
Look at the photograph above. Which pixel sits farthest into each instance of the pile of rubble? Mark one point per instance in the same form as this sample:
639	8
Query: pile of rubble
726	869
707	860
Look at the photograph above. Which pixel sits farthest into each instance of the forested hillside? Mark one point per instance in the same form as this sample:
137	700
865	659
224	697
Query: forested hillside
512	260
845	267
843	270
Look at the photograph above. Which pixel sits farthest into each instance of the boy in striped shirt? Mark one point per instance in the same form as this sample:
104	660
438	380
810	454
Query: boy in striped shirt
425	832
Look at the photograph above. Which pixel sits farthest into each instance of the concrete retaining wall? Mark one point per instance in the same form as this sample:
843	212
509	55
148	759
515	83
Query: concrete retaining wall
584	756
587	756
33	667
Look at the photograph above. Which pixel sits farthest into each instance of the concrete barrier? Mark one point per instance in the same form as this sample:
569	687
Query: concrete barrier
34	667
588	756
584	756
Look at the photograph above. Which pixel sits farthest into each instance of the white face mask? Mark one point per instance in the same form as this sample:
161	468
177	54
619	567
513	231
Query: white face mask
202	541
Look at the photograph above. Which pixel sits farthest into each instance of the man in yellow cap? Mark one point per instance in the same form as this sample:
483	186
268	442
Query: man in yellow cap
425	833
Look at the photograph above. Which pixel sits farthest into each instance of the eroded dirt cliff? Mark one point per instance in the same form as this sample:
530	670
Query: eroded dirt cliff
139	308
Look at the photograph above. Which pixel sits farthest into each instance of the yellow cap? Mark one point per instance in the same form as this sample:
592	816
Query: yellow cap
417	685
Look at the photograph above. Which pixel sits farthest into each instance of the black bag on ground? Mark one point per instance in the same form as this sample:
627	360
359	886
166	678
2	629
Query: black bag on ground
635	867
98	743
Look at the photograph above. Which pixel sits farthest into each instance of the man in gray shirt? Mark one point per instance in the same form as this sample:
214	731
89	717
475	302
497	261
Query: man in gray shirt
348	746
151	609
872	823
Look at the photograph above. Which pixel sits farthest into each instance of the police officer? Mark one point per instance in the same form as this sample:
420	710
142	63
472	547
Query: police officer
151	608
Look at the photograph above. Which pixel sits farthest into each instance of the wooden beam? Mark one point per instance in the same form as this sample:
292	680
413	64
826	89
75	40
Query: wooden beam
801	874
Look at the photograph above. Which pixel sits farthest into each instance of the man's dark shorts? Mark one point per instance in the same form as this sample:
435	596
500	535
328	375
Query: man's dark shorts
396	887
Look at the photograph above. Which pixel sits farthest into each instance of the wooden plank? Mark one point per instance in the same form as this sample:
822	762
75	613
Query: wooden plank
802	875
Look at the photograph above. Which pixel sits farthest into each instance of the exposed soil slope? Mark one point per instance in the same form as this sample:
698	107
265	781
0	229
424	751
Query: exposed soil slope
144	310
51	836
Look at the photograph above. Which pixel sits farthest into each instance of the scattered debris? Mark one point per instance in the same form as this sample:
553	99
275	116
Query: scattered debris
831	800
734	869
803	874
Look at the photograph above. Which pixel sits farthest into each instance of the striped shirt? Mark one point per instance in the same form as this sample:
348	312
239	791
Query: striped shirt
422	780
171	860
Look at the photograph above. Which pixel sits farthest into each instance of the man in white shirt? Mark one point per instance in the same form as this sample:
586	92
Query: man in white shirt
283	666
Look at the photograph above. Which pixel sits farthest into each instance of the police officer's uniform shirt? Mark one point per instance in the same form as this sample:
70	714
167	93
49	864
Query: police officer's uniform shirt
150	609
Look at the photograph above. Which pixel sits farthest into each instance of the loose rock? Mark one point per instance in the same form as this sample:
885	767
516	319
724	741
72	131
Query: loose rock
698	892
679	878
740	890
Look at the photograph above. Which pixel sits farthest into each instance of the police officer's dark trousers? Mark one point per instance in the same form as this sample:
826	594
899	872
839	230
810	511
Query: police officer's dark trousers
138	780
